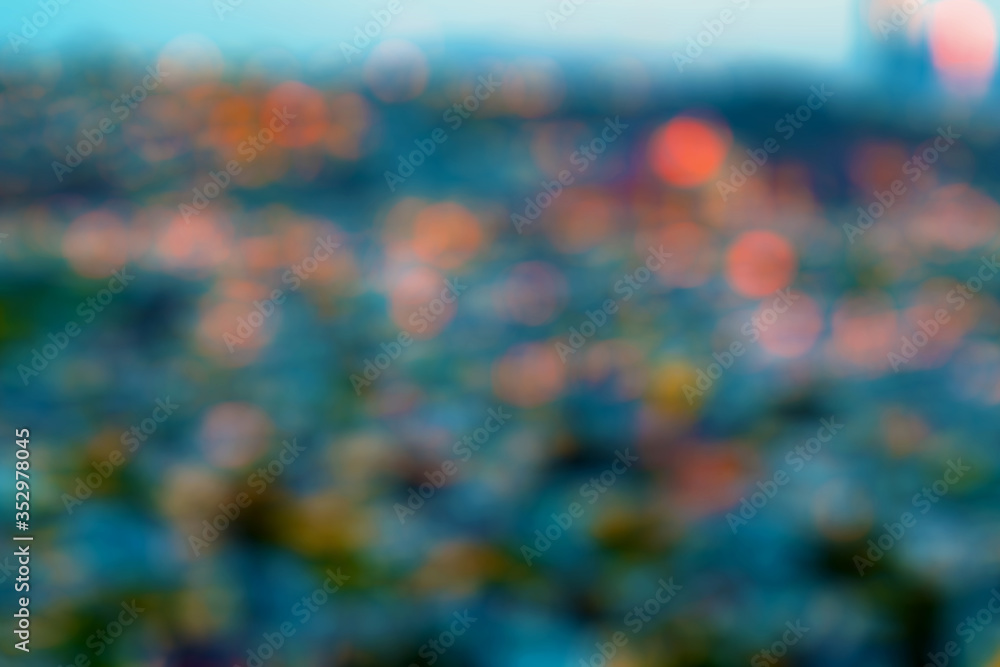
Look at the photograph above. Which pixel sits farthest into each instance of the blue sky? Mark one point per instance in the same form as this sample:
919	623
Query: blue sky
819	31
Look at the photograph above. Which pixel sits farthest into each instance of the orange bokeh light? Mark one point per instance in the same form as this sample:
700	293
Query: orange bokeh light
529	375
232	120
963	41
305	109
581	221
417	303
96	244
446	235
693	255
760	263
864	330
709	479
194	249
687	151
